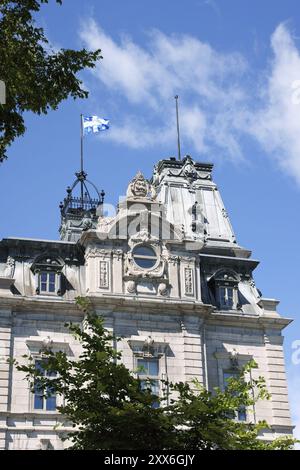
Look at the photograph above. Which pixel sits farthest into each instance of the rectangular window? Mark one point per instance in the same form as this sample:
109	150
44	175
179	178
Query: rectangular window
47	282
148	373
226	297
44	399
240	414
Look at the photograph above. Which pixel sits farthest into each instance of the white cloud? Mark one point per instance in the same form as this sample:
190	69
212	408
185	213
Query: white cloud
149	77
221	100
277	124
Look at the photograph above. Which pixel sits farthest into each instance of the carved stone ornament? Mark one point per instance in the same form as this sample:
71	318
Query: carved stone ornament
142	236
173	259
163	289
117	254
87	222
234	361
132	269
47	343
190	172
98	252
188	281
103	277
131	288
10	267
141	188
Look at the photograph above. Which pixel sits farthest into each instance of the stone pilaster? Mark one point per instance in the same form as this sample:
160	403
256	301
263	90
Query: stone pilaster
5	350
277	385
192	349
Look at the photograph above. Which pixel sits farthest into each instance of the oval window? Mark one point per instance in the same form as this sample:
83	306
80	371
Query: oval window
144	256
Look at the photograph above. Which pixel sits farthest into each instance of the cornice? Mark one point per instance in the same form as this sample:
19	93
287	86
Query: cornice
169	306
33	304
236	319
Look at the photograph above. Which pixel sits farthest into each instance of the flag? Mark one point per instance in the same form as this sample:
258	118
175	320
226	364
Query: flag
94	124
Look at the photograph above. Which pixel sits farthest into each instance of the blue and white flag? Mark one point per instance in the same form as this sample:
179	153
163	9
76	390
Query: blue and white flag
94	124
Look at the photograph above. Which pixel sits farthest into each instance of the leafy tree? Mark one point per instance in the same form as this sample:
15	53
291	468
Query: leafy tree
109	410
37	78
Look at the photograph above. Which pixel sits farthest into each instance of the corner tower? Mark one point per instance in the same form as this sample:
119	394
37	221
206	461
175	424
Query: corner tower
80	212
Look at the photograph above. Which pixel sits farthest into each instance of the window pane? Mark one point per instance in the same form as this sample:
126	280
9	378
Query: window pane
144	256
222	295
153	387
150	367
144	251
41	401
48	281
38	402
39	366
229	375
51	403
229	296
143	365
226	296
242	414
43	286
153	368
51	286
145	262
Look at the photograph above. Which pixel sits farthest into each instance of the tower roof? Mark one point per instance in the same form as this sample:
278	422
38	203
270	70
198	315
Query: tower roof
80	212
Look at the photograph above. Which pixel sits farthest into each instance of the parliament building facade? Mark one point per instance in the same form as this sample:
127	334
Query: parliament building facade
169	278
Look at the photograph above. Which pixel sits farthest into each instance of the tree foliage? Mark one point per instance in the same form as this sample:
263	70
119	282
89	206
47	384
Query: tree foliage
37	78
110	411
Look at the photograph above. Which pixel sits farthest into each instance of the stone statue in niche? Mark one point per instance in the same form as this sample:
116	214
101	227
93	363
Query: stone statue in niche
141	188
10	267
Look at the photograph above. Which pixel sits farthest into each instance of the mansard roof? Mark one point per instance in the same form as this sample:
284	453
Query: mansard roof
32	247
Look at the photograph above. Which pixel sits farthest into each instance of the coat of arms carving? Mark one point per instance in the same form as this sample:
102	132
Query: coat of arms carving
141	188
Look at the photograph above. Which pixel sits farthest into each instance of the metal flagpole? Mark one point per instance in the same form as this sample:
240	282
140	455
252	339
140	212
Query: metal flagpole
178	134
81	158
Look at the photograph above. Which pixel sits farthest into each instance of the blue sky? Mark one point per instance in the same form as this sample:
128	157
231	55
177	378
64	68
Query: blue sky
235	65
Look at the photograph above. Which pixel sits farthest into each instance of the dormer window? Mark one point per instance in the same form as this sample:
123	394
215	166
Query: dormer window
226	297
48	275
224	286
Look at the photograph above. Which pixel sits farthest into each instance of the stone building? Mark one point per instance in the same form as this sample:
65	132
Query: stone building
167	274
